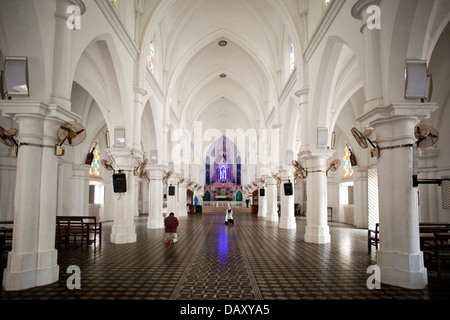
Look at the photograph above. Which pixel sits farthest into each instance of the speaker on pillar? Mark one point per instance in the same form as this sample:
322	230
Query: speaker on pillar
16	77
288	189
171	191
119	182
416	77
262	192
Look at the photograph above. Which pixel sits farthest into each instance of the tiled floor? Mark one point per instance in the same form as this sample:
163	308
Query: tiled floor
251	260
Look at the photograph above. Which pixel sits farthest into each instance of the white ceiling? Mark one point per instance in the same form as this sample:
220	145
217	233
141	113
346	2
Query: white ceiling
192	61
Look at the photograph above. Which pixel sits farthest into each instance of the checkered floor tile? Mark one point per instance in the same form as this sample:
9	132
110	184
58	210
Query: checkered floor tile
251	260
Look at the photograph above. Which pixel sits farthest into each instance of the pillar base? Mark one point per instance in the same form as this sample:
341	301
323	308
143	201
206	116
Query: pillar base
288	223
315	234
402	270
25	271
123	234
272	217
155	224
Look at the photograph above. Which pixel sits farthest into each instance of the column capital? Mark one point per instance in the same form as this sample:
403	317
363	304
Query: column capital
397	110
316	153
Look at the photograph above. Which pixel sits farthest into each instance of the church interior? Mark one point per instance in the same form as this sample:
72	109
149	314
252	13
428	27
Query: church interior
320	123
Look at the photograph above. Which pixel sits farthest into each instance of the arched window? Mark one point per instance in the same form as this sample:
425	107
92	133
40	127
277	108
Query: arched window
95	166
151	57
292	58
348	171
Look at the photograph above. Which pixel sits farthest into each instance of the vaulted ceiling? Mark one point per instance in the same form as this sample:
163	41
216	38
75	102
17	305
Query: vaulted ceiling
188	39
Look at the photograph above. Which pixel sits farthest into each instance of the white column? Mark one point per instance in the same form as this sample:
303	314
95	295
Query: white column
21	270
399	257
155	213
7	186
287	217
172	201
361	197
372	55
271	193
262	205
317	230
80	189
182	200
123	228
47	267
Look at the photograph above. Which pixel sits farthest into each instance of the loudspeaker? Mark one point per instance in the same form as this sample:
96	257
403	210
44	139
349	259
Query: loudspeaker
16	77
322	137
171	191
262	192
120	182
416	79
288	189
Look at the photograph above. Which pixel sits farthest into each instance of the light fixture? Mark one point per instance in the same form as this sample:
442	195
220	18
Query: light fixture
223	75
223	43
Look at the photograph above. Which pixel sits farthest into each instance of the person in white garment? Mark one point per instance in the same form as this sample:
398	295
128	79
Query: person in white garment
229	216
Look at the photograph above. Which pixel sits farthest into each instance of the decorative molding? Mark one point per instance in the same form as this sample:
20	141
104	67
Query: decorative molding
318	34
285	93
111	15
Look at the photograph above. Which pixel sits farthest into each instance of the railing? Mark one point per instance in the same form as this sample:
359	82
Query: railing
223	203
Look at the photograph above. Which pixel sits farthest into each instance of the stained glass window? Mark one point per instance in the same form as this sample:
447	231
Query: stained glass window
114	2
327	3
95	166
151	56
348	171
292	58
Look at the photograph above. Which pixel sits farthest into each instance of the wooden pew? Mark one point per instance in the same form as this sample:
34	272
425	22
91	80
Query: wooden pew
440	251
85	226
373	238
427	232
6	231
67	227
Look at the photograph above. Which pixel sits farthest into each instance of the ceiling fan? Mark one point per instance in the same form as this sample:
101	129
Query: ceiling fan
276	176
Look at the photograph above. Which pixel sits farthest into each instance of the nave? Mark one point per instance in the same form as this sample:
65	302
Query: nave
251	260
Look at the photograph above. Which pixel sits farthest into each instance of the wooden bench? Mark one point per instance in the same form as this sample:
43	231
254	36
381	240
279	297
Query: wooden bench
373	238
67	227
440	251
427	232
6	231
72	226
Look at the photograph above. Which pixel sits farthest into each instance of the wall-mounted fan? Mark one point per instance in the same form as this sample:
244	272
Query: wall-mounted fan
300	171
107	165
8	136
138	171
334	165
276	176
426	136
166	177
70	134
362	138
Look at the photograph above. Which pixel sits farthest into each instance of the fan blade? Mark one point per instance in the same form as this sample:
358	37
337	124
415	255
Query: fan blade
80	131
70	140
66	129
